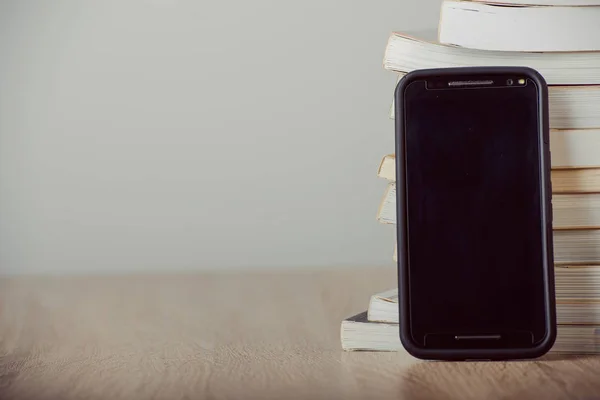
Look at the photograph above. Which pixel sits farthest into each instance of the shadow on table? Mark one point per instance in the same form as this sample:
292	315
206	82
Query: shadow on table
567	357
552	377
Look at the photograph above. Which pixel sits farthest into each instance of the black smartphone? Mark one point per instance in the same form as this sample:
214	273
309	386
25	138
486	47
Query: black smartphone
474	214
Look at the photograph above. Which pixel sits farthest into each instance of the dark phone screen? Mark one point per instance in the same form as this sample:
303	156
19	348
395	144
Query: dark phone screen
474	214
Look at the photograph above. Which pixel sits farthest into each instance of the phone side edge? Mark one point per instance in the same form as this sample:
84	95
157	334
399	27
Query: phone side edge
401	235
548	341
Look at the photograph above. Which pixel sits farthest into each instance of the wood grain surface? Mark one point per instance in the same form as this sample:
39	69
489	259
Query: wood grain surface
261	335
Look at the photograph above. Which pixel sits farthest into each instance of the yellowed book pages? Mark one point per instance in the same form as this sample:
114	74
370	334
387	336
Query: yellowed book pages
387	168
386	213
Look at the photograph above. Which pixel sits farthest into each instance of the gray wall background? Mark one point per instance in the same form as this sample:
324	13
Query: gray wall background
184	135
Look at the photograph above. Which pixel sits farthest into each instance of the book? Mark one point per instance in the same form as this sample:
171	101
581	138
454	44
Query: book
566	180
570	211
577	247
577	282
576	211
387	168
386	213
570	107
578	312
526	28
407	52
571	247
573	3
576	148
383	307
359	334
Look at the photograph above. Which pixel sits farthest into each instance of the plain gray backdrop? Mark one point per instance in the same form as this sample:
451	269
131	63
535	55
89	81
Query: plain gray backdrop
181	135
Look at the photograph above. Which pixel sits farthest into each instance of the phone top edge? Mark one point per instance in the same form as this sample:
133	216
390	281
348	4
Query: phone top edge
424	74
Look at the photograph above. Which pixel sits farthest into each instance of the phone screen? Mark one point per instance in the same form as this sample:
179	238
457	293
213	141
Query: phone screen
474	214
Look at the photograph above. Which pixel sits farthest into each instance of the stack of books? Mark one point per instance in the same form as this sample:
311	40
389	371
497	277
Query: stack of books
560	39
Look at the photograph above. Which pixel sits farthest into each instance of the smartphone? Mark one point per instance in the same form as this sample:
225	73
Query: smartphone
474	214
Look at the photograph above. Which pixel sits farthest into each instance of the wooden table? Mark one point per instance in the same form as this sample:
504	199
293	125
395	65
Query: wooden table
261	335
